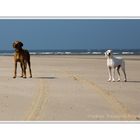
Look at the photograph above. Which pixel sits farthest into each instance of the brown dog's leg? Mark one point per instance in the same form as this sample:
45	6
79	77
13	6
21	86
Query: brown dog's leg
15	71
21	69
29	64
24	69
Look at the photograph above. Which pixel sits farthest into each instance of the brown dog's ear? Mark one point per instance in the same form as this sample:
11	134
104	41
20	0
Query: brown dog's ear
20	43
17	44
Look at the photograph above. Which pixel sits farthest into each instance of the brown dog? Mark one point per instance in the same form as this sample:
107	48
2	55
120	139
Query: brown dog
23	57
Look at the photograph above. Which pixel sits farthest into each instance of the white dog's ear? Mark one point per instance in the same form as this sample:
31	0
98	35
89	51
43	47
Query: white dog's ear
109	51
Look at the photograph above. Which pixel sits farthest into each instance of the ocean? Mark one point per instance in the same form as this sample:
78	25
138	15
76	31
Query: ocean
75	52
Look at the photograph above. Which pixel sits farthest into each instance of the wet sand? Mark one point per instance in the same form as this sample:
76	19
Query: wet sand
69	88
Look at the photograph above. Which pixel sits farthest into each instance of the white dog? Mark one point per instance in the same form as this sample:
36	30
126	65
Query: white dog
114	63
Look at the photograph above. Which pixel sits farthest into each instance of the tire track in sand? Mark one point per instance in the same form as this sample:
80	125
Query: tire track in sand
37	103
116	105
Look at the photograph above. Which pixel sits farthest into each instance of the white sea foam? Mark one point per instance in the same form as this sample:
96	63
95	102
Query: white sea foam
68	53
125	53
96	53
115	53
33	53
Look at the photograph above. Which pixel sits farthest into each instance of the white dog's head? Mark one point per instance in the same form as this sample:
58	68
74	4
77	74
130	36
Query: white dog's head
108	53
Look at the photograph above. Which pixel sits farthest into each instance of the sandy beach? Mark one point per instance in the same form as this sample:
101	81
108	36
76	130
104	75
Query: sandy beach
69	88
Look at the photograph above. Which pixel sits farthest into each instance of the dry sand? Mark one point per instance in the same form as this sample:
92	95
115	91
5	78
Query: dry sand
69	88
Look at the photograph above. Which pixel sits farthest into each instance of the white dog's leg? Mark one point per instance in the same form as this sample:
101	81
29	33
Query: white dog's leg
113	75
109	73
123	69
119	78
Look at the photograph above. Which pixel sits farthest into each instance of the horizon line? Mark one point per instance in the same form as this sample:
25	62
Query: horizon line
69	17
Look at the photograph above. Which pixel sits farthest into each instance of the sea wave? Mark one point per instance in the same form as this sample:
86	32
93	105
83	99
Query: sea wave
73	52
6	54
97	53
126	53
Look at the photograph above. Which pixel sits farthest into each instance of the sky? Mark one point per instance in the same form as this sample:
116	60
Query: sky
70	34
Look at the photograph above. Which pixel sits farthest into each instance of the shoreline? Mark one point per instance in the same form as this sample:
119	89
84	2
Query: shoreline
125	57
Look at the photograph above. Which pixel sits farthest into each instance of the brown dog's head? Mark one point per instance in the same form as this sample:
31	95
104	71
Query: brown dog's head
17	45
